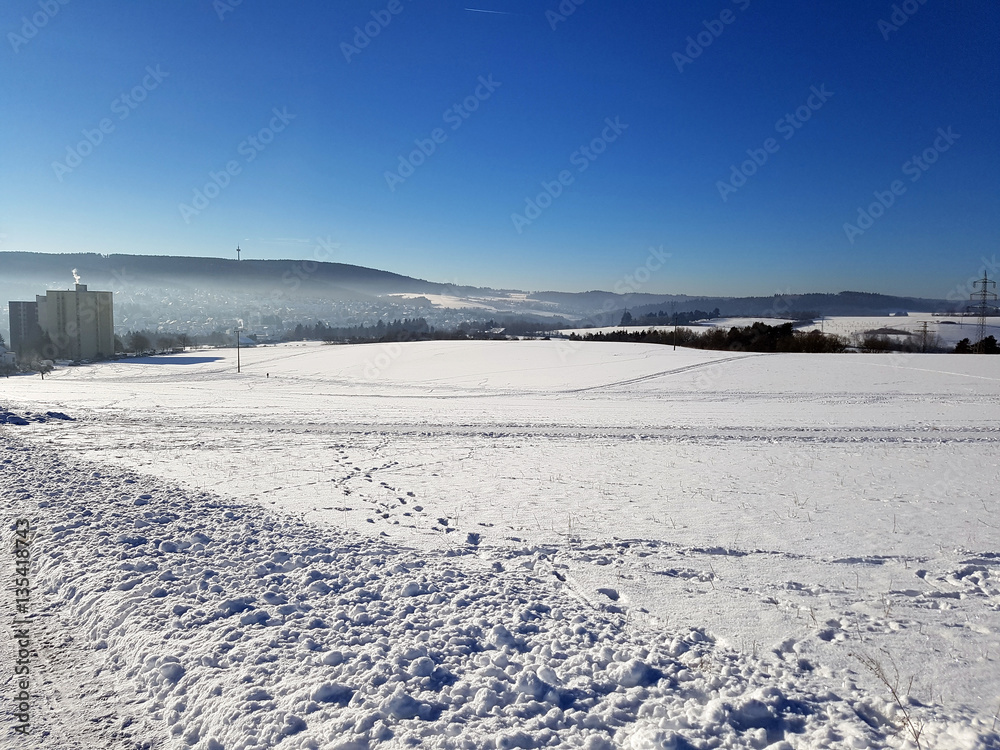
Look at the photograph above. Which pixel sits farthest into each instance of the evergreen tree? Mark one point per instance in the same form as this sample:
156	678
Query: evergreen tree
988	345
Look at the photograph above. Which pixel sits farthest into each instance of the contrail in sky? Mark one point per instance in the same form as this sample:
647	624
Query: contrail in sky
480	10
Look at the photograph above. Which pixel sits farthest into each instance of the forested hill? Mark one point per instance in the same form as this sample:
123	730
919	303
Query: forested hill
805	305
24	274
116	271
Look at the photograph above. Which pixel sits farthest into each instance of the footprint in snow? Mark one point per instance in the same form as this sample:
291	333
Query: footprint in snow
610	593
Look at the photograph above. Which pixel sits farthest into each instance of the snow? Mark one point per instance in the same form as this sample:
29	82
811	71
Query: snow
511	544
744	322
949	330
712	322
946	330
506	302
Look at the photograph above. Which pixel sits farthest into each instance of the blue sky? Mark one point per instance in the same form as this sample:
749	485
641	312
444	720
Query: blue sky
634	115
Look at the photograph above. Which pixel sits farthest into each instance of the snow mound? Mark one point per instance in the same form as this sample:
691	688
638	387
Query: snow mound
219	626
11	418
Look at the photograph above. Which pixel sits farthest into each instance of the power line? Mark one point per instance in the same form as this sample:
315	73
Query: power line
983	296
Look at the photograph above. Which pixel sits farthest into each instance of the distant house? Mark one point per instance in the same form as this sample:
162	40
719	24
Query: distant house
7	358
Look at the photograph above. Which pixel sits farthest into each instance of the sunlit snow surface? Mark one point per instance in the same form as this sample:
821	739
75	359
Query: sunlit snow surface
942	332
514	544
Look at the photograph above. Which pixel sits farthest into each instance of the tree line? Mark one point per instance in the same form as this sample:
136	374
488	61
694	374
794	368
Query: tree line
761	337
758	337
664	318
407	329
987	345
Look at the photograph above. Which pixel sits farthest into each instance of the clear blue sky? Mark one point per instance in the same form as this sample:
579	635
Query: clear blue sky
221	70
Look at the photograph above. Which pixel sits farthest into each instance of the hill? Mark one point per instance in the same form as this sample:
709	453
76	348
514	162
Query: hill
298	276
204	294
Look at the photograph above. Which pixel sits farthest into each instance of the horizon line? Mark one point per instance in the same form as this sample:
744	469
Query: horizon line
635	293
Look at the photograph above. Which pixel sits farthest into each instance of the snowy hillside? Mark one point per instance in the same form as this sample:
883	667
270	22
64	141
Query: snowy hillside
510	544
941	331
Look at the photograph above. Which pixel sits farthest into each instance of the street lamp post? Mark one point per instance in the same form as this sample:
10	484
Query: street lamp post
237	332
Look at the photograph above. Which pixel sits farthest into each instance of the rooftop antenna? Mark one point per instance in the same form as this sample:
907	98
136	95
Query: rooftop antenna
983	296
237	253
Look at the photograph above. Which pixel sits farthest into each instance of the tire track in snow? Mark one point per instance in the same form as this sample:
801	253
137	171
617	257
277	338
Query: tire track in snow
665	373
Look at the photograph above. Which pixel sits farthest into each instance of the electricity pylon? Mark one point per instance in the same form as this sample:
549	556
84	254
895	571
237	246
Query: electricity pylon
983	295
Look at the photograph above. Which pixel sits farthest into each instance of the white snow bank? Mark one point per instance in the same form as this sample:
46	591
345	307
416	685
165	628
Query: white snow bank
222	627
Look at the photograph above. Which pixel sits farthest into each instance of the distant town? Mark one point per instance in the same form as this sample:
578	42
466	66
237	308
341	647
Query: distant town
129	305
77	326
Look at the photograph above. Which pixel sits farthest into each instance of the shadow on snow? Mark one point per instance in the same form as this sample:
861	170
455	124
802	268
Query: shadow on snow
170	360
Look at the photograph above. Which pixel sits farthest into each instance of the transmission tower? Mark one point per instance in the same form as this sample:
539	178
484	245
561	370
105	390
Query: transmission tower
983	296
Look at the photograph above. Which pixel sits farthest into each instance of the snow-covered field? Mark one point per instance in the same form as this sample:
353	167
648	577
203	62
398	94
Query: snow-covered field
945	331
948	330
510	544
